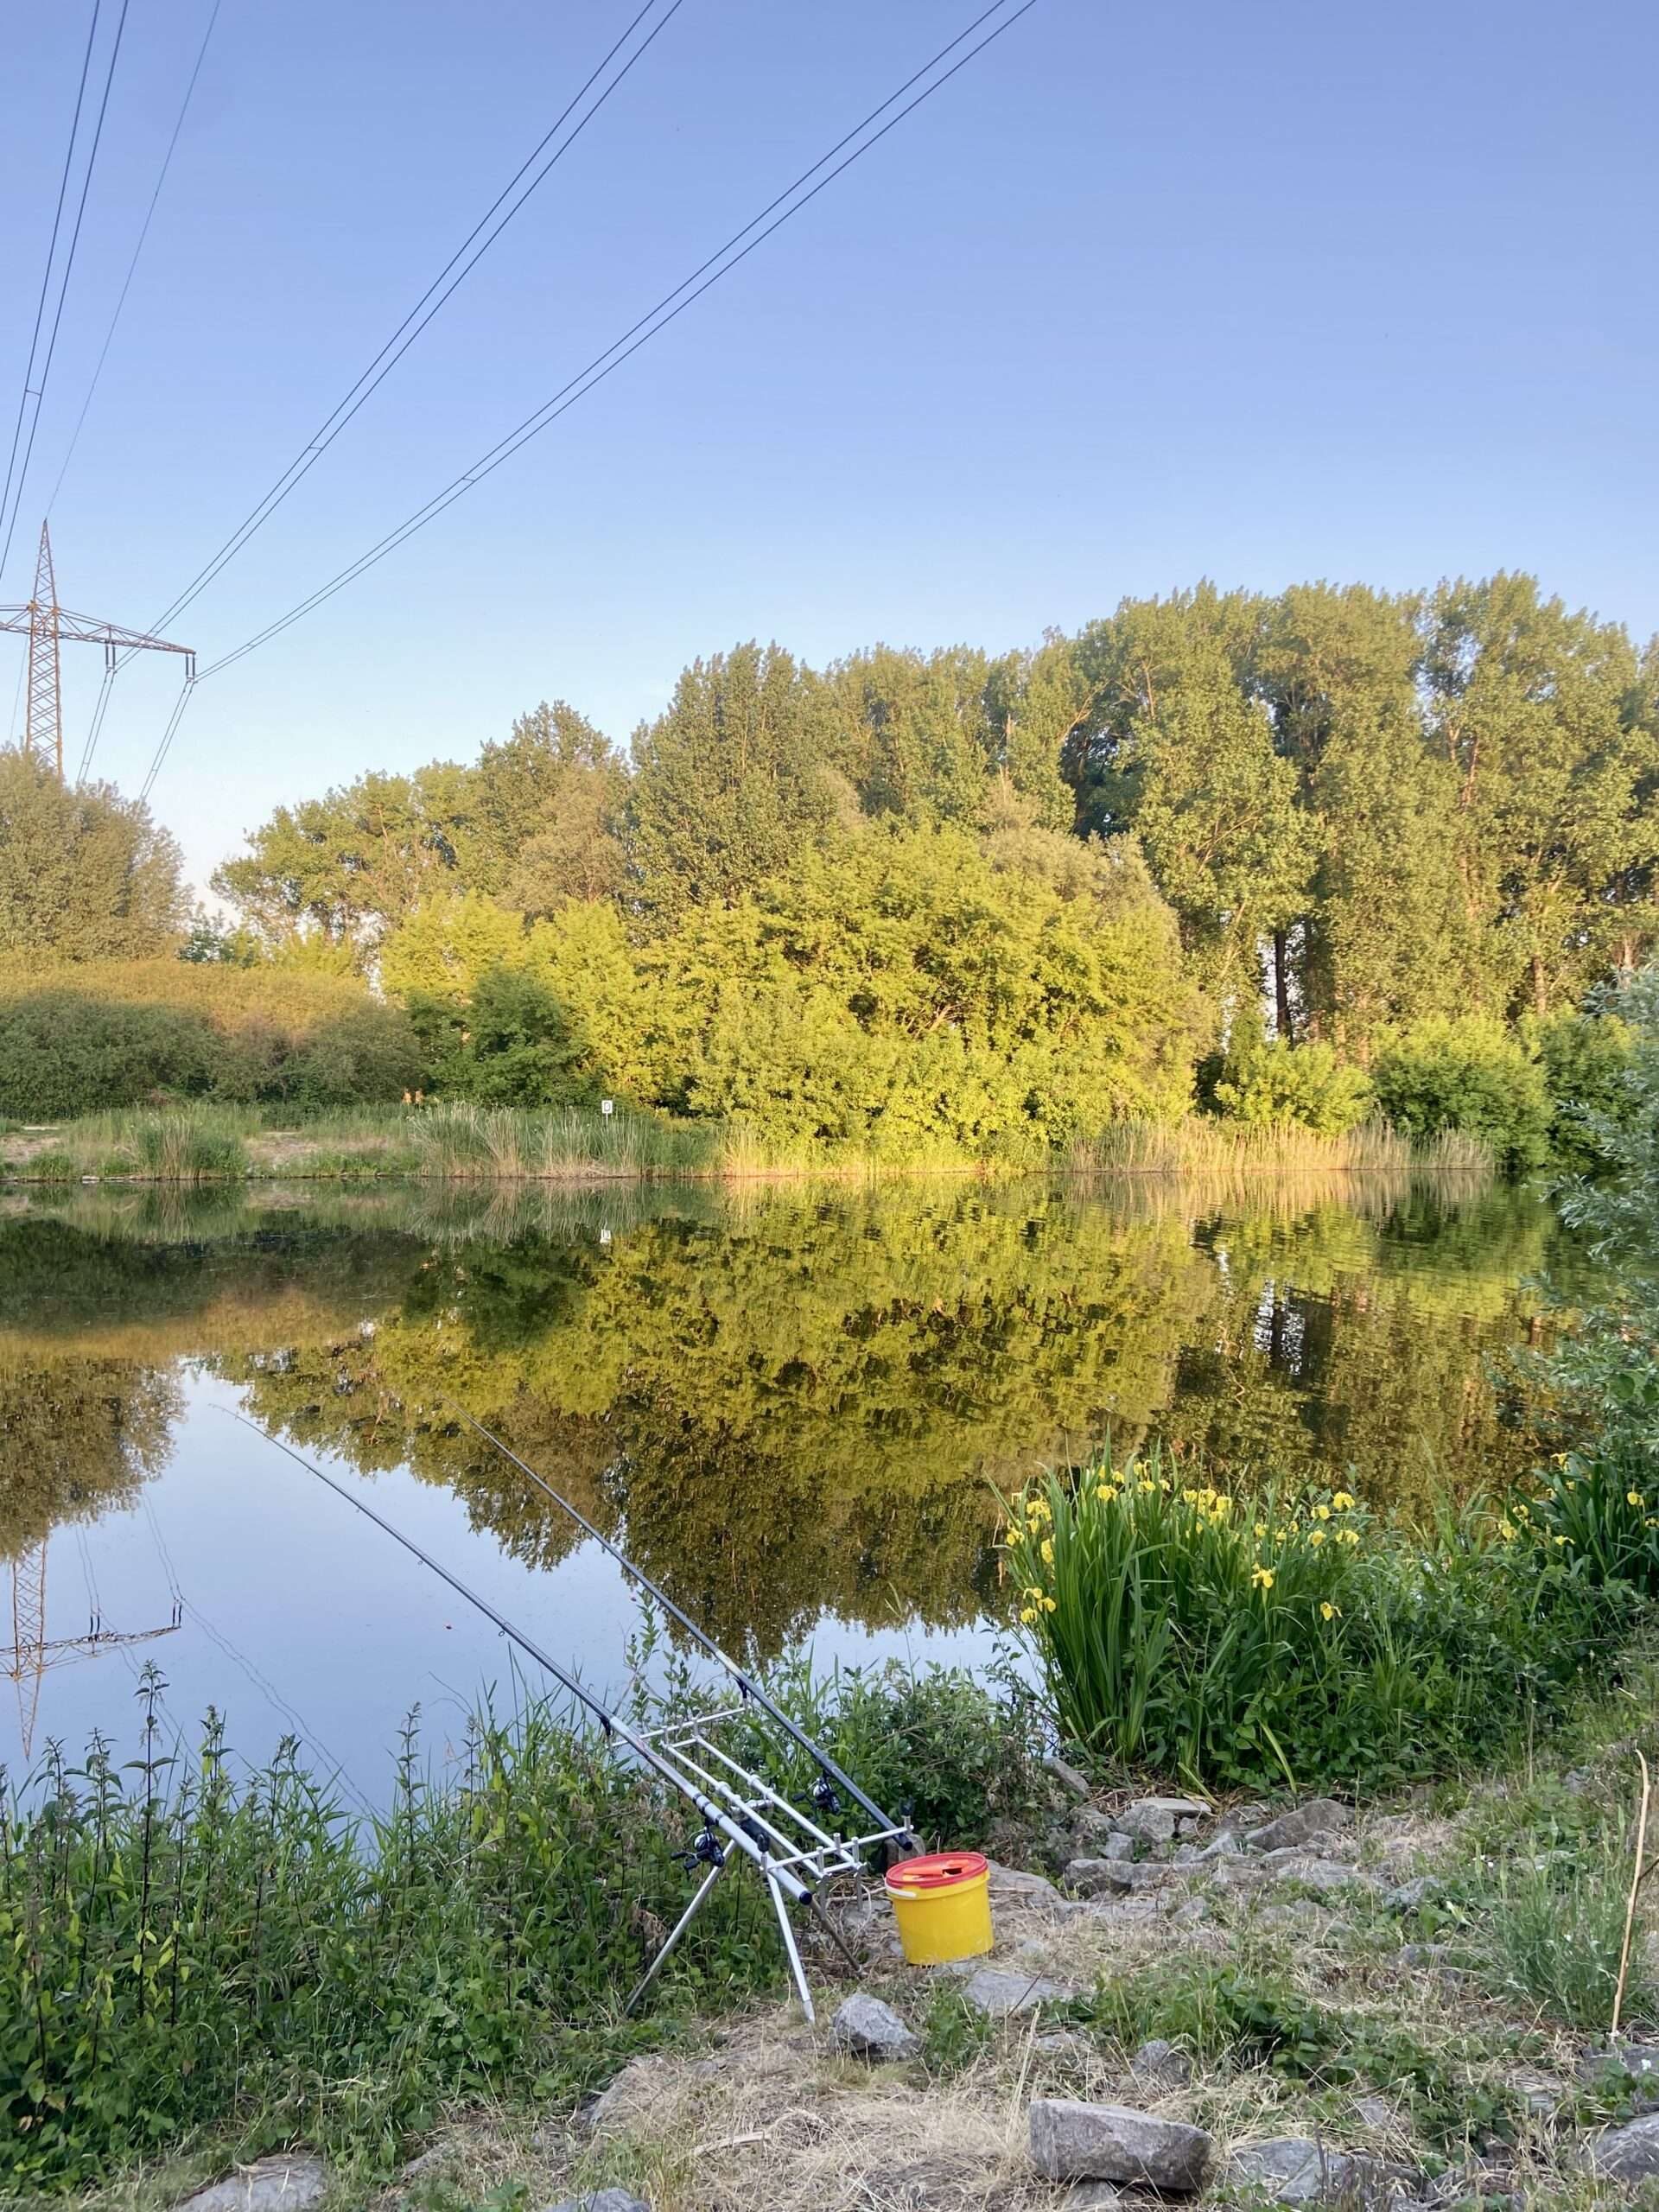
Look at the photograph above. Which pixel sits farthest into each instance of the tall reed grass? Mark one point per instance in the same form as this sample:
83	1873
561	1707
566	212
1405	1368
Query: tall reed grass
1204	1147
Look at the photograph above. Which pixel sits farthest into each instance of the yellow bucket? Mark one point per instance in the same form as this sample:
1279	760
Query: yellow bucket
943	1906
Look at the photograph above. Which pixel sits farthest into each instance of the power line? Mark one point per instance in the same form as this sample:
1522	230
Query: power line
51	257
38	391
132	266
657	318
455	270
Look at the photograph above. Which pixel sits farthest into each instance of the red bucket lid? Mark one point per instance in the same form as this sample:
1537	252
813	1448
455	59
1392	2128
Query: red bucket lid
938	1869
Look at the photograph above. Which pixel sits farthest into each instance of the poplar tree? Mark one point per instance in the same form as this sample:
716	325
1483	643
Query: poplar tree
731	782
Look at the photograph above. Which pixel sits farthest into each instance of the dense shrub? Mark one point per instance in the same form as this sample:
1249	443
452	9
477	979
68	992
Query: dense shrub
1468	1074
511	1044
1586	1058
111	1035
1277	1085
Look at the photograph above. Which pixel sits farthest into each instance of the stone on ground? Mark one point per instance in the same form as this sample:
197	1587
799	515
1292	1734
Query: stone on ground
1067	1775
1108	1876
1317	1816
1626	2153
1152	1820
1001	1995
1074	2141
1295	2170
286	2184
869	2028
1162	2063
601	2200
1008	1882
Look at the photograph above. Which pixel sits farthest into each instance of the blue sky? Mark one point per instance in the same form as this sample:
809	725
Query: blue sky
1262	293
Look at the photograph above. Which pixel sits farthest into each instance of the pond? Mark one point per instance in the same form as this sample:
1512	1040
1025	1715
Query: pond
792	1406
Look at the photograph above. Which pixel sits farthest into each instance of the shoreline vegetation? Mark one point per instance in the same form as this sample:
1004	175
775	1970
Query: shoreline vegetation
194	1959
206	1144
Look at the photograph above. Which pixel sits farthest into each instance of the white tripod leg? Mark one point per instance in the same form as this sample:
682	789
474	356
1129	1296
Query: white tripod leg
680	1926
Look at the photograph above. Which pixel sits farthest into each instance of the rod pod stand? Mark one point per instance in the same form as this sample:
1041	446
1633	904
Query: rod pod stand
791	1849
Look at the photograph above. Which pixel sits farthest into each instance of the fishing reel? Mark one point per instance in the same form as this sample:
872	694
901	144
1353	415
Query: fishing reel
706	1851
824	1796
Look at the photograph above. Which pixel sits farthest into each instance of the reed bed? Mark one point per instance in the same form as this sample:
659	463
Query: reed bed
195	1143
1204	1147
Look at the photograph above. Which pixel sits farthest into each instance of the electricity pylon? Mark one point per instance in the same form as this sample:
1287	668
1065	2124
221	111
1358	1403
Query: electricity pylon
46	625
28	1657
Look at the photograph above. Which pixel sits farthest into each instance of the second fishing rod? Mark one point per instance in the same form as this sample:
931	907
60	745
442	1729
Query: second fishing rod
829	1773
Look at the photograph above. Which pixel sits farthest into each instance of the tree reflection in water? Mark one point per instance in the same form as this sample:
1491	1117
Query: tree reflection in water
785	1401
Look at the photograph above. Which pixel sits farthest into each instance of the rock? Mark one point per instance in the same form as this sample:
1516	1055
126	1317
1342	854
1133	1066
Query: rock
430	2161
1067	1775
1319	1875
1008	1882
1406	1896
1295	2170
288	2183
1073	2141
1121	1877
1317	1816
1091	1827
1152	1820
1375	2112
1065	2043
869	2028
1001	1995
1189	1826
1165	2063
1626	2153
1637	2063
600	2200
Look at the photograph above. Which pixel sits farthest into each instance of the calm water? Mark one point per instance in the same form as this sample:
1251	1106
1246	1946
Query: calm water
791	1410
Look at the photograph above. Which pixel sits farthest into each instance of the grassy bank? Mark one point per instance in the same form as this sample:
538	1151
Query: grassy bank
206	1143
184	1948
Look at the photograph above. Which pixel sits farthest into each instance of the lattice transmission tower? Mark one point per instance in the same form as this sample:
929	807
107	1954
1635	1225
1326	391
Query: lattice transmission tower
46	625
31	1653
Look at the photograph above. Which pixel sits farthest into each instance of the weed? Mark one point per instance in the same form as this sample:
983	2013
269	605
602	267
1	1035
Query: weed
1549	1929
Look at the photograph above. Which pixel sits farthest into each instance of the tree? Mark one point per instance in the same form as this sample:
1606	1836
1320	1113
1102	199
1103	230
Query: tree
1036	704
84	874
445	948
547	812
731	782
903	994
912	733
1537	711
351	865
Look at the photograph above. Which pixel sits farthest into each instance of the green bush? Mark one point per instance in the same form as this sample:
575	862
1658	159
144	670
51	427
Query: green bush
1278	1085
1471	1075
510	1044
67	1048
1586	1061
933	1745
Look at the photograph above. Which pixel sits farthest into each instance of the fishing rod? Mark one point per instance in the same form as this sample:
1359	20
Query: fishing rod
829	1771
612	1722
790	1848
